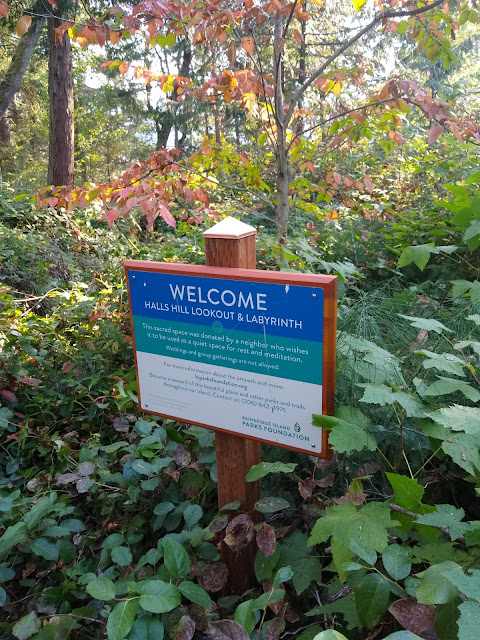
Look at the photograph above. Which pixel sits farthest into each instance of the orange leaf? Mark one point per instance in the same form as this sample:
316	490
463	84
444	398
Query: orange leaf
23	25
3	10
368	183
232	54
123	68
248	44
115	36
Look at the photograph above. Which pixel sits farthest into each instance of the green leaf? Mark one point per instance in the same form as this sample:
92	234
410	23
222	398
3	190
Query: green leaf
444	386
39	510
418	254
472	235
265	468
195	593
244	615
122	556
383	395
142	467
372	596
402	26
345	606
463	450
446	619
158	596
271	504
176	558
192	514
408	492
3	596
16	534
363	551
427	324
469	621
121	619
268	598
6	574
448	517
459	418
468	585
347	435
396	560
345	522
163	508
143	428
434	587
282	575
443	362
101	589
27	626
45	549
403	635
330	634
294	552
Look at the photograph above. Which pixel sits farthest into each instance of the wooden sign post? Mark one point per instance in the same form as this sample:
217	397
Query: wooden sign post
248	353
231	243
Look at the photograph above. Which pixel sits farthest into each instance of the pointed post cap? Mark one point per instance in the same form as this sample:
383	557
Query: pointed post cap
230	228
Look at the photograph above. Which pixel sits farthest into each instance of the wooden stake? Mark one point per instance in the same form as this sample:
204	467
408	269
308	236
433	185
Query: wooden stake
231	243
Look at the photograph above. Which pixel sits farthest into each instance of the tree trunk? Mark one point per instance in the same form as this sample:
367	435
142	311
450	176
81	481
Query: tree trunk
10	83
60	88
281	149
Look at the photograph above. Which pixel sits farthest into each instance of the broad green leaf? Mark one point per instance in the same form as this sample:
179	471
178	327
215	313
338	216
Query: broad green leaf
346	436
459	418
403	635
195	593
446	619
158	596
468	585
396	560
472	235
469	621
363	551
16	534
122	556
448	517
271	504
402	26
112	541
427	324
460	287
294	552
282	575
142	467
382	395
443	362
408	493
27	626
39	510
121	619
418	254
244	615
345	522
434	587
372	596
444	386
101	589
176	558
163	508
3	596
265	468
192	514
46	549
6	574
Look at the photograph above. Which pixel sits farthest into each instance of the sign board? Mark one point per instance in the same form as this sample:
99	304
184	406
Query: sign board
244	351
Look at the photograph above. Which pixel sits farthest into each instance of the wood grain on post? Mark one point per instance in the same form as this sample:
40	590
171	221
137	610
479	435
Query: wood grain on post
231	243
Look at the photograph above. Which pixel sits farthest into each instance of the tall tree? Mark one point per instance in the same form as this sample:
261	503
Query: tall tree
60	88
31	28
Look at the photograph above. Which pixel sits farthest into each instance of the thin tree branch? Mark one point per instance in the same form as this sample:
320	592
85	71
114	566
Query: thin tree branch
382	16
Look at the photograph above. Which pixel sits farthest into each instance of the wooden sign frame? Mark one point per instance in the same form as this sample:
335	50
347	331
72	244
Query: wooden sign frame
328	284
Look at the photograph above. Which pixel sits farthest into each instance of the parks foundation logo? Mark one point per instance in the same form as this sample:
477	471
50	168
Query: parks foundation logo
297	427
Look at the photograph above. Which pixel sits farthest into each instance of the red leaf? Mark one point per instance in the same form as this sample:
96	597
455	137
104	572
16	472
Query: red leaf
248	44
239	532
214	577
434	134
368	183
266	540
417	618
67	366
3	10
8	395
166	215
